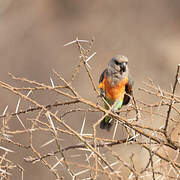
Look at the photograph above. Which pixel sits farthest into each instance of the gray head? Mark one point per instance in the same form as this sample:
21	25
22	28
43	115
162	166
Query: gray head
118	65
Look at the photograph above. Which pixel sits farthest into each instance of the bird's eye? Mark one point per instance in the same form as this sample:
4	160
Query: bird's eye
116	62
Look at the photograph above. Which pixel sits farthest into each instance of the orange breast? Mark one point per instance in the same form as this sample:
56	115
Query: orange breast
116	91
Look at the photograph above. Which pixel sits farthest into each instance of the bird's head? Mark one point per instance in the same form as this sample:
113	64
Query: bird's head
118	65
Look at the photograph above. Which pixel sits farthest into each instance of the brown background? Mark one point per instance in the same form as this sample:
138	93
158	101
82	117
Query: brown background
32	35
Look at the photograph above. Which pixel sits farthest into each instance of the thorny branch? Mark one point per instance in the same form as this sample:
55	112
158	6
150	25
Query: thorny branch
172	101
93	148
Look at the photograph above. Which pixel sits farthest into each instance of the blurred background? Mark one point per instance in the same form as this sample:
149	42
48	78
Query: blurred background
32	35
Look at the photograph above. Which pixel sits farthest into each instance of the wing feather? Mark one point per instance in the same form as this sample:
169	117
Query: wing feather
102	91
128	89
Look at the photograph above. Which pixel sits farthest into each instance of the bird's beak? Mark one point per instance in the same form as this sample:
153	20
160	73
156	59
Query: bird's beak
123	67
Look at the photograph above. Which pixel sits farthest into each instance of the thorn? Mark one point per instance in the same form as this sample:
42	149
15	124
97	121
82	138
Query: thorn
50	121
89	59
81	172
82	128
115	129
52	83
4	112
59	162
45	144
112	164
29	93
77	40
17	107
20	121
134	137
5	149
4	172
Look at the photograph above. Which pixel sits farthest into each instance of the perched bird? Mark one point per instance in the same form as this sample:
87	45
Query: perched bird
115	86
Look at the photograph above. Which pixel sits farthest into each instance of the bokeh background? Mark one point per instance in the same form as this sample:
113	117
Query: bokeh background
32	35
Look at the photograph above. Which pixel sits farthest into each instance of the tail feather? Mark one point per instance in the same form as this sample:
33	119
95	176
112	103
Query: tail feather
106	123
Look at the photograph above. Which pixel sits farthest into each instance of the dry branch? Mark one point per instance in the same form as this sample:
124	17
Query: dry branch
157	141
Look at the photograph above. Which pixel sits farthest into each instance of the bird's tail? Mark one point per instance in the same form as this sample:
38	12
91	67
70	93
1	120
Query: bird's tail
106	123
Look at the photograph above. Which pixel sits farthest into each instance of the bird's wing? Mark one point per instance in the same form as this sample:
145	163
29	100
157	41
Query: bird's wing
101	85
128	89
102	76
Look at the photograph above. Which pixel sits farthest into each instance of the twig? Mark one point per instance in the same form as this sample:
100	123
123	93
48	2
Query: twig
172	101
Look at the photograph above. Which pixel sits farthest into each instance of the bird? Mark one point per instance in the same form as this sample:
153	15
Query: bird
115	84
